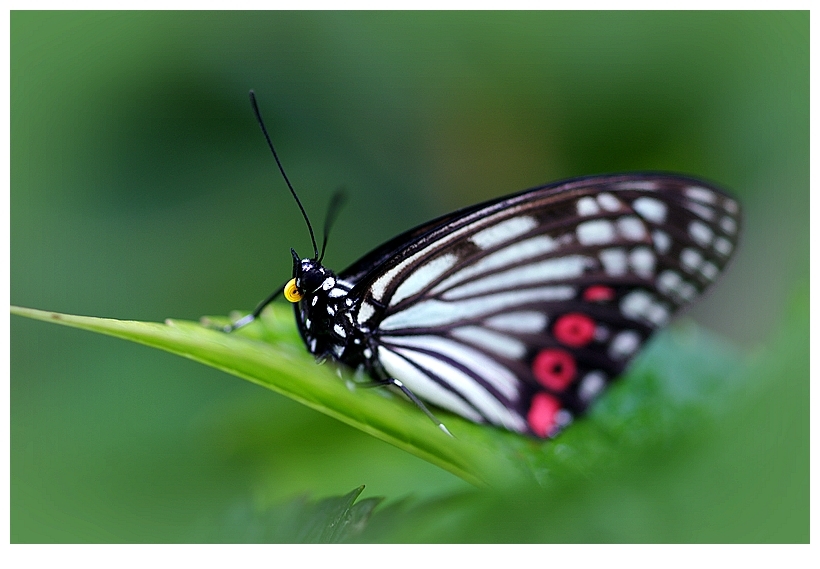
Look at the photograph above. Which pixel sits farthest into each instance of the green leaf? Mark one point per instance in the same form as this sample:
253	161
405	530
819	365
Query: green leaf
331	520
682	378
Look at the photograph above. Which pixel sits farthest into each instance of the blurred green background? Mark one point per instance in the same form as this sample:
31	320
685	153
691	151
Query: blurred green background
141	188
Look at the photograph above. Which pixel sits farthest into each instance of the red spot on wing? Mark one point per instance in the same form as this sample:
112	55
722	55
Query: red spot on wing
541	416
599	293
574	330
554	368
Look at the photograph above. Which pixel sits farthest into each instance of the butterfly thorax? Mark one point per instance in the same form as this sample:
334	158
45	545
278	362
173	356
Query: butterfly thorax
324	314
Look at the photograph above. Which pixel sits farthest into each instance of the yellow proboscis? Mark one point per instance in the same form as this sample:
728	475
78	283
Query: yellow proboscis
292	292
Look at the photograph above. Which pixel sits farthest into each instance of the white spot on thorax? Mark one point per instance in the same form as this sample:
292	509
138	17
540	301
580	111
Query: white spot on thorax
595	232
651	209
504	231
423	276
337	292
328	283
339	330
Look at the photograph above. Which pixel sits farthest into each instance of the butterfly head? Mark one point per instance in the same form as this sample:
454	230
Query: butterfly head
318	296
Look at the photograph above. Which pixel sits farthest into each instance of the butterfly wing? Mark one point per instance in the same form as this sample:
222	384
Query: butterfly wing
519	311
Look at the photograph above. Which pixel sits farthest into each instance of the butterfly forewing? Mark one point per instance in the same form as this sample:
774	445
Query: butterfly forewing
518	312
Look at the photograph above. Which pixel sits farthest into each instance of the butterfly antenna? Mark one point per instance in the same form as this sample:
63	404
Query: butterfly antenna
285	176
333	208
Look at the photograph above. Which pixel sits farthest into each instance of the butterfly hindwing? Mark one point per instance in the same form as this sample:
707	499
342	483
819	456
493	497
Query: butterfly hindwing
518	312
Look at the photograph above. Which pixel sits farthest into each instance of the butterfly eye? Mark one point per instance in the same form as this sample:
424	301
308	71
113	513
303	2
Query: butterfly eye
292	291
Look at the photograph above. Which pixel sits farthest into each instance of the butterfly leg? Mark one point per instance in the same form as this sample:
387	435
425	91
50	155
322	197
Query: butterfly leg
410	395
245	320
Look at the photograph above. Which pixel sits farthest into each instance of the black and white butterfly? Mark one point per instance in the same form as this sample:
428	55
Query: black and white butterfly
519	311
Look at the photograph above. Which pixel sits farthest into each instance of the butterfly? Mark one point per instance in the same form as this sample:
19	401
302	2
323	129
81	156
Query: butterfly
519	311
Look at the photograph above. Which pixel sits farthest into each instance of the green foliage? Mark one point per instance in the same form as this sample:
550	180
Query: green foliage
301	520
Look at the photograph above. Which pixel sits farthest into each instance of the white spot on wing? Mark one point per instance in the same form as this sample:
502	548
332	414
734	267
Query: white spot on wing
690	259
492	341
634	304
526	322
366	310
631	228
668	282
380	286
431	313
587	206
339	330
423	276
504	231
662	241
687	291
422	386
730	205
543	271
701	210
635	185
723	246
700	194
728	225
591	385
642	261
614	261
701	233
609	202
485	367
482	399
511	255
651	209
595	232
709	271
639	304
624	344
